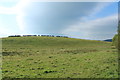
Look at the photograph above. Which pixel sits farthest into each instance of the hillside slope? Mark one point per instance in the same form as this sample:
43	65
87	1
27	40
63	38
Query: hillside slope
53	57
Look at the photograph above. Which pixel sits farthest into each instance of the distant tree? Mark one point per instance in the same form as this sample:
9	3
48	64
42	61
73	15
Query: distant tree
119	40
119	36
115	40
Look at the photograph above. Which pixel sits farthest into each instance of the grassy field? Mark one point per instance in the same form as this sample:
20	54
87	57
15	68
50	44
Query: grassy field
53	57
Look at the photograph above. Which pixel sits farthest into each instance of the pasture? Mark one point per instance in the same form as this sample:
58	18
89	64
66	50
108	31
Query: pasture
54	57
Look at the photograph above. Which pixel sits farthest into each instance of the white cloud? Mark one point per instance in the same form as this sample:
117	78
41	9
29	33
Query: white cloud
44	11
15	10
103	27
20	13
99	7
4	10
83	28
64	0
4	32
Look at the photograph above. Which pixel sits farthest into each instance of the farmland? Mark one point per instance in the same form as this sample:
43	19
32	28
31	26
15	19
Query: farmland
54	57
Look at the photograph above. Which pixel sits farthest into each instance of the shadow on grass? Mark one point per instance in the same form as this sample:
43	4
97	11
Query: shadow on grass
78	51
10	53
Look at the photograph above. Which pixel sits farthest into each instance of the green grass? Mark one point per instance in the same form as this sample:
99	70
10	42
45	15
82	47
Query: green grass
52	57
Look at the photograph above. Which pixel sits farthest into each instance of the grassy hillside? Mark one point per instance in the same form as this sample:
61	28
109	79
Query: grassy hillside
52	57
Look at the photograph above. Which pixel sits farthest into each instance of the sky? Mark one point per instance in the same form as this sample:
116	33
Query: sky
83	20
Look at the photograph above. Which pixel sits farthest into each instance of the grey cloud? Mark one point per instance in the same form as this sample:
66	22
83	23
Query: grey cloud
54	17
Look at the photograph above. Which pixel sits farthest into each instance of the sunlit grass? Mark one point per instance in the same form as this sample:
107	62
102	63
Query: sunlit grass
48	57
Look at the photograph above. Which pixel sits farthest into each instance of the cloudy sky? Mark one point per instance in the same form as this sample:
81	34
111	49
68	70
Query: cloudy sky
85	20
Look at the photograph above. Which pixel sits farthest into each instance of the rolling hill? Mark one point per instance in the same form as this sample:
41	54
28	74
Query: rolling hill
54	57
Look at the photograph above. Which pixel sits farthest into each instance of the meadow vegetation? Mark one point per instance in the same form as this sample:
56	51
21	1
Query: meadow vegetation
54	57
